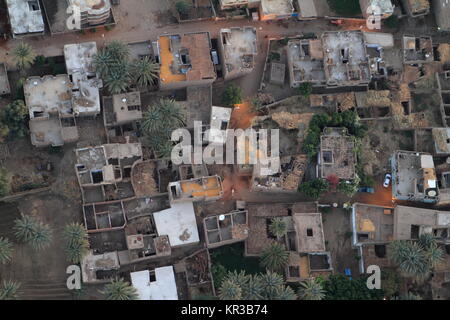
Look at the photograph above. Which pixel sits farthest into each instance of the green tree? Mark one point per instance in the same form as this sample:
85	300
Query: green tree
347	188
285	293
278	227
23	56
274	257
271	282
76	242
314	188
230	290
182	6
145	71
232	95
9	289
4	182
340	287
305	89
14	116
33	232
411	258
435	254
390	283
119	289
6	250
118	50
252	290
219	272
118	78
392	22
311	290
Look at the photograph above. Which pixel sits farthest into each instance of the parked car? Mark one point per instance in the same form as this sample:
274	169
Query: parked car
387	180
366	189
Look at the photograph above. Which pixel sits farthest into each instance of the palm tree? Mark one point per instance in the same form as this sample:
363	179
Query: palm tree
230	290
102	63
252	290
8	290
278	227
23	56
434	254
166	113
410	257
274	257
5	250
77	243
240	278
25	227
42	237
285	293
145	71
118	78
118	50
119	289
311	290
271	282
29	230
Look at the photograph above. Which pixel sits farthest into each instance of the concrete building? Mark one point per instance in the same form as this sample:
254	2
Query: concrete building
306	10
4	82
417	49
224	229
441	10
275	9
305	62
414	177
94	13
238	51
441	138
220	119
185	60
178	223
416	8
337	154
158	284
25	18
346	61
52	119
196	189
382	8
99	268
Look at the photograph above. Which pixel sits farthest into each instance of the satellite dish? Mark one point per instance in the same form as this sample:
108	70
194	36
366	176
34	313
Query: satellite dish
222	217
432	193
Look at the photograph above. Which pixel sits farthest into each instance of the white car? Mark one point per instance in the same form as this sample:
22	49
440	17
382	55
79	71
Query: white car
387	180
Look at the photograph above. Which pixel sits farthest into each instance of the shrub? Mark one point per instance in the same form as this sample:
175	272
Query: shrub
232	95
314	188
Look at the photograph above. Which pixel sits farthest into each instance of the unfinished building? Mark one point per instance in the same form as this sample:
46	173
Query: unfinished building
4	82
224	229
378	8
104	172
417	49
185	60
196	189
25	18
346	61
121	116
416	8
414	177
238	51
99	268
441	10
157	284
50	104
441	137
94	13
337	154
305	62
304	238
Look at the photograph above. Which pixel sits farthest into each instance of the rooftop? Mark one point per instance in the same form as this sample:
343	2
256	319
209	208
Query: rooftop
385	7
372	224
25	17
205	188
345	58
337	154
92	264
277	7
309	229
125	108
307	8
418	6
79	57
305	61
163	287
225	228
417	49
240	48
441	138
442	12
220	118
185	58
179	223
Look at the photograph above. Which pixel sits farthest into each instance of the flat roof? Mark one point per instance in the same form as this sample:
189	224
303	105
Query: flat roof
220	118
385	40
307	8
127	107
345	58
48	95
91	263
375	221
185	57
25	16
179	223
240	47
80	57
309	229
442	13
441	138
163	288
305	61
277	7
